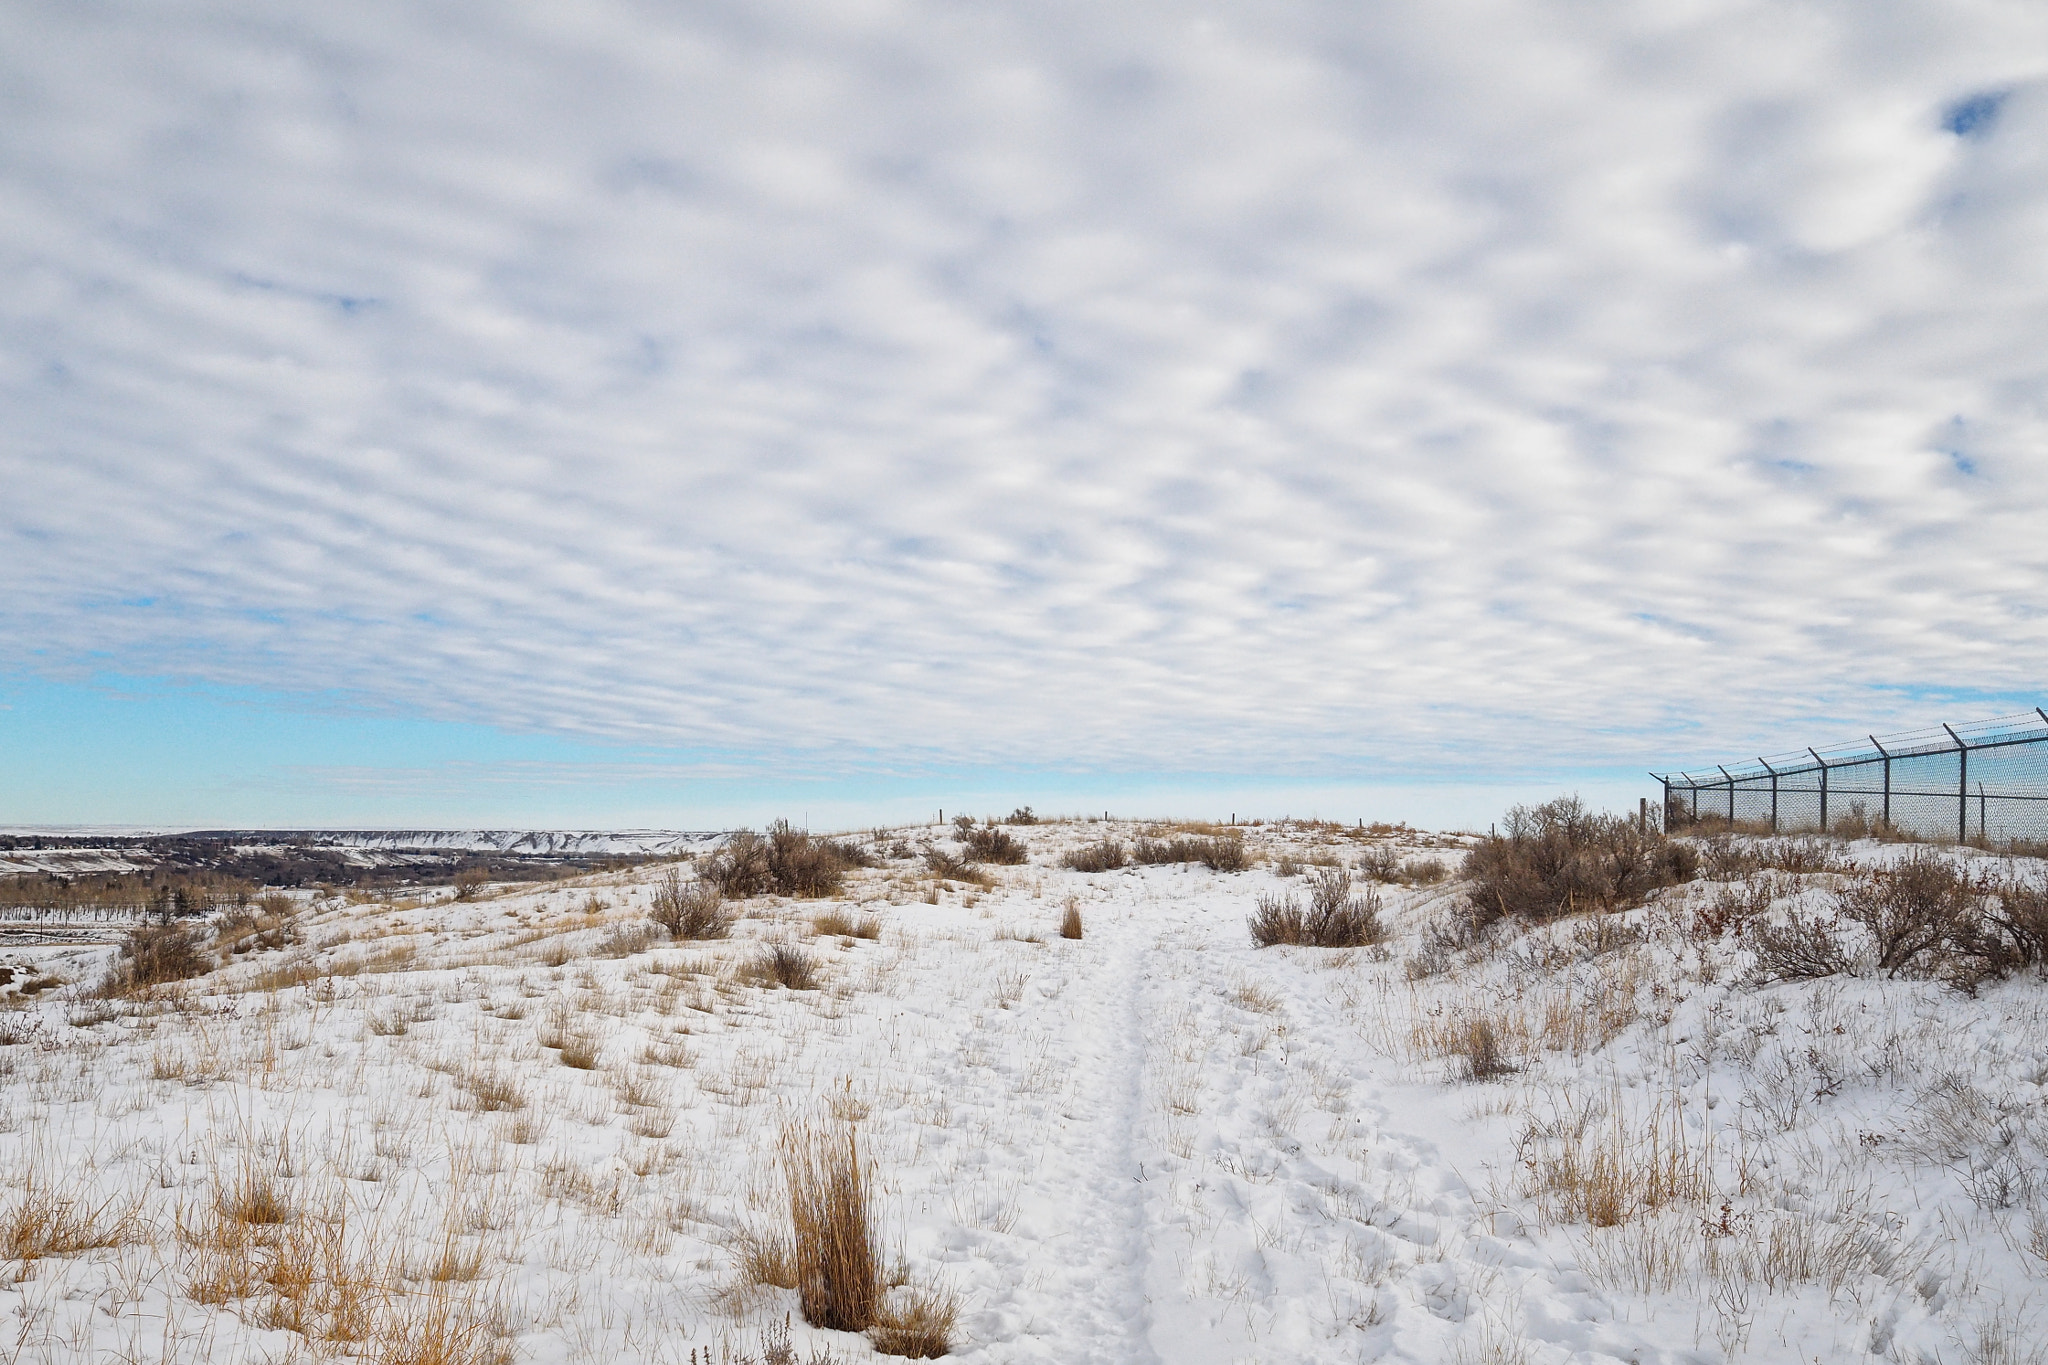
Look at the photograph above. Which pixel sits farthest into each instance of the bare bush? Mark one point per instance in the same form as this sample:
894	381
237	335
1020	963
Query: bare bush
1334	918
837	1258
1104	855
787	862
1023	815
791	968
690	909
155	955
842	922
1910	912
1219	853
992	845
953	866
1802	947
1559	858
1380	863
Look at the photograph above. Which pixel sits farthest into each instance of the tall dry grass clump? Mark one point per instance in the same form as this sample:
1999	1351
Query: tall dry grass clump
689	909
1560	858
1070	919
1218	853
838	1260
1334	917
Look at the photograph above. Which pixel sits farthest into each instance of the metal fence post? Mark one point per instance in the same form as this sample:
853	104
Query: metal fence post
1823	790
1887	777
1731	795
1774	793
1962	785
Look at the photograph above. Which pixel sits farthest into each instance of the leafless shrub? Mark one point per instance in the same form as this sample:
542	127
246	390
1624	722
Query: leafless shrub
788	862
740	869
1558	858
1070	919
155	955
690	909
2007	932
1023	815
791	968
1219	853
953	866
1104	855
1380	863
1334	918
838	1262
1909	910
1801	947
624	940
992	845
469	882
1477	1048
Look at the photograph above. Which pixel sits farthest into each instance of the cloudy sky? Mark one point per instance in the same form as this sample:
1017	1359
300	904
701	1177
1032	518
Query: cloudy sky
666	413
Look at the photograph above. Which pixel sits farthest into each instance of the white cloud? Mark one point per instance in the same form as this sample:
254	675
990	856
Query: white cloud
1295	390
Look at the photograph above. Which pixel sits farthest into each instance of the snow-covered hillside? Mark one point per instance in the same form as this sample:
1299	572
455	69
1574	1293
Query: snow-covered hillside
529	1127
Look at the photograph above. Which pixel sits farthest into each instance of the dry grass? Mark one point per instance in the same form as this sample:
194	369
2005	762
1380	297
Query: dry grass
1104	855
915	1323
838	1262
690	910
1070	919
846	925
1334	918
44	1222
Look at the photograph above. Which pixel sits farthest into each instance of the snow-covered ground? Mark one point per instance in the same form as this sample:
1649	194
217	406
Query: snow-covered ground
526	1127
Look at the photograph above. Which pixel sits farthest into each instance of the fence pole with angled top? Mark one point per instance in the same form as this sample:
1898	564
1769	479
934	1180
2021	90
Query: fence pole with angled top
1774	794
1887	778
1823	790
1962	785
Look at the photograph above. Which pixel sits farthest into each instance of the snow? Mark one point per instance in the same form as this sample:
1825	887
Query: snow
1154	1143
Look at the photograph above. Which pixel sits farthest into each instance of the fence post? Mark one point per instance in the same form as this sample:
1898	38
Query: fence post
1731	795
1983	824
1962	785
1774	794
1887	778
1823	790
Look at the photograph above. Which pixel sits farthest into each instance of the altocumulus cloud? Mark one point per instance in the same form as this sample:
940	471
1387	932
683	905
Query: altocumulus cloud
1136	386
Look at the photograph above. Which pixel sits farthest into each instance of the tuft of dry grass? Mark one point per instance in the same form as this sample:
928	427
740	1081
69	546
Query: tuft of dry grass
44	1222
847	925
838	1262
1070	919
916	1324
791	968
156	955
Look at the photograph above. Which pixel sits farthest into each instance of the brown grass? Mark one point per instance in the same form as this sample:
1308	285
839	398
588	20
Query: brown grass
838	1263
1334	918
1070	919
846	924
690	909
916	1324
1105	855
43	1222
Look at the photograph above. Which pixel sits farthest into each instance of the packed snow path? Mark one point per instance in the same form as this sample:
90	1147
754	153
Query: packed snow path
1226	1181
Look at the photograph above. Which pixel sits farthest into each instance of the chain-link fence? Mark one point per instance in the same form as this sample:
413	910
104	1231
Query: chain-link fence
1982	782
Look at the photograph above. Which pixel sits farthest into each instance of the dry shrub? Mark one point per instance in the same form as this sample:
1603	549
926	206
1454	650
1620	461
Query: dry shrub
1221	853
1334	918
1424	871
1910	911
992	845
788	862
1023	815
1800	947
767	1258
579	1051
791	968
838	1260
953	866
1479	1052
2008	932
1559	858
624	940
915	1323
690	909
470	882
1104	855
1380	863
155	955
1070	919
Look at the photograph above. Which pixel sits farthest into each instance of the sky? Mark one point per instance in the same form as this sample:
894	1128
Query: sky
683	415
